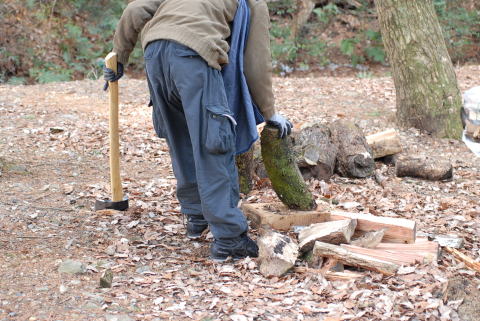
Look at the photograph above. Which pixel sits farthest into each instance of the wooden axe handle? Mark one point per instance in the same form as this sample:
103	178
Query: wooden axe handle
116	184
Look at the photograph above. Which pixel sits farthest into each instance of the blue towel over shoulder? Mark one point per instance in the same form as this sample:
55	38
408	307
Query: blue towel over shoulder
240	101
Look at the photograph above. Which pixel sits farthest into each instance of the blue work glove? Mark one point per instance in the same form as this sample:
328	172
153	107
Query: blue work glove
284	125
110	75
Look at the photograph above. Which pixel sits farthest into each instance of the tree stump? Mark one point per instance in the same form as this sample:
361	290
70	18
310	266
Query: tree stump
315	152
280	163
354	158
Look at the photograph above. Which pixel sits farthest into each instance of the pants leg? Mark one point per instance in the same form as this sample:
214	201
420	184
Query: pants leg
200	115
170	123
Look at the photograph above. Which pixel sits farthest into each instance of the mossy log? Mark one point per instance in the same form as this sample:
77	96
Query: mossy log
246	166
354	158
280	163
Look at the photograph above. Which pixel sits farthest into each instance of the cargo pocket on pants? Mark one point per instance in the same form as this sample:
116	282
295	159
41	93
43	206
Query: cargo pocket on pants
220	133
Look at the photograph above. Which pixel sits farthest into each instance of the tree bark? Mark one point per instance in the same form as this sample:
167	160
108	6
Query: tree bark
246	167
315	152
287	181
354	158
428	97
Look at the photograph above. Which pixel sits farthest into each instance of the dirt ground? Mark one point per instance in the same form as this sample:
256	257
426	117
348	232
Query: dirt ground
54	164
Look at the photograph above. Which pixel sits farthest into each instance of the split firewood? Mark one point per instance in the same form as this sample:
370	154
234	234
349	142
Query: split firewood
424	167
334	232
399	257
384	143
428	249
369	240
315	152
332	275
279	217
469	262
282	169
397	230
347	257
354	158
277	253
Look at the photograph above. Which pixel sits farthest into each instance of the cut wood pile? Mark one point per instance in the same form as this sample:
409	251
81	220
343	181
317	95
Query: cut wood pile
342	148
333	239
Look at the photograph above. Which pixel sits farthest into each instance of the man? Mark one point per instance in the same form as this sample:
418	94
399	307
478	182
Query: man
186	45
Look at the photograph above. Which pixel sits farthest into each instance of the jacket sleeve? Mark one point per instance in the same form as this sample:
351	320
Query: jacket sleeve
258	60
133	19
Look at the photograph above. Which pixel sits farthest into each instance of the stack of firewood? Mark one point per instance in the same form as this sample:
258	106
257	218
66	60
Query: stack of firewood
326	239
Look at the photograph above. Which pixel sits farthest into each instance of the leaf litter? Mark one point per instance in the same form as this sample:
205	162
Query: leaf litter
158	274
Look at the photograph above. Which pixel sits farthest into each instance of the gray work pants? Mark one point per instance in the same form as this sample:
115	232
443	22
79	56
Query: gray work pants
190	110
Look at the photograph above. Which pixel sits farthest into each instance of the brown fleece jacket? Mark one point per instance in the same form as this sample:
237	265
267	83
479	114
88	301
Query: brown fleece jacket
203	25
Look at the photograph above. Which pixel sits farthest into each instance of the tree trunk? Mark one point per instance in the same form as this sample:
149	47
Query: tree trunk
428	97
246	166
304	9
280	163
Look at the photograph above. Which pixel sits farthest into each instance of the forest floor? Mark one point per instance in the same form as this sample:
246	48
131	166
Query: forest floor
54	164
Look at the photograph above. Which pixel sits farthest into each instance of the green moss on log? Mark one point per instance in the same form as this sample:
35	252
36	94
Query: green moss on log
287	181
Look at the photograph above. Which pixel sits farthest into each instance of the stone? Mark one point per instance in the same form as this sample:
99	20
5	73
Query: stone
118	317
106	279
72	267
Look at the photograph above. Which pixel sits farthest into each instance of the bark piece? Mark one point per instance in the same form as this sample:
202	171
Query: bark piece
426	86
277	253
315	152
354	259
354	158
279	217
424	167
397	230
287	181
334	232
384	143
369	240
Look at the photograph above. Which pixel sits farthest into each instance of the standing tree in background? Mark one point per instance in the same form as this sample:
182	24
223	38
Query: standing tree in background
428	97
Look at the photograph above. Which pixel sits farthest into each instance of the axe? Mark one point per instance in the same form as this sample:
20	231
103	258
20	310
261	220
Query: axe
118	201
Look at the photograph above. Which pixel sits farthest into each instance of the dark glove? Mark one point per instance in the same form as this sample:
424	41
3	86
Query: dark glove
110	75
284	125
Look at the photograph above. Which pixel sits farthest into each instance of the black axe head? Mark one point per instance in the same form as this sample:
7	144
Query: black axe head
106	204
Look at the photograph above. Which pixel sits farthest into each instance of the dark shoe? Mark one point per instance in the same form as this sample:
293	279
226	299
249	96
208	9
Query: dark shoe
240	249
196	224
